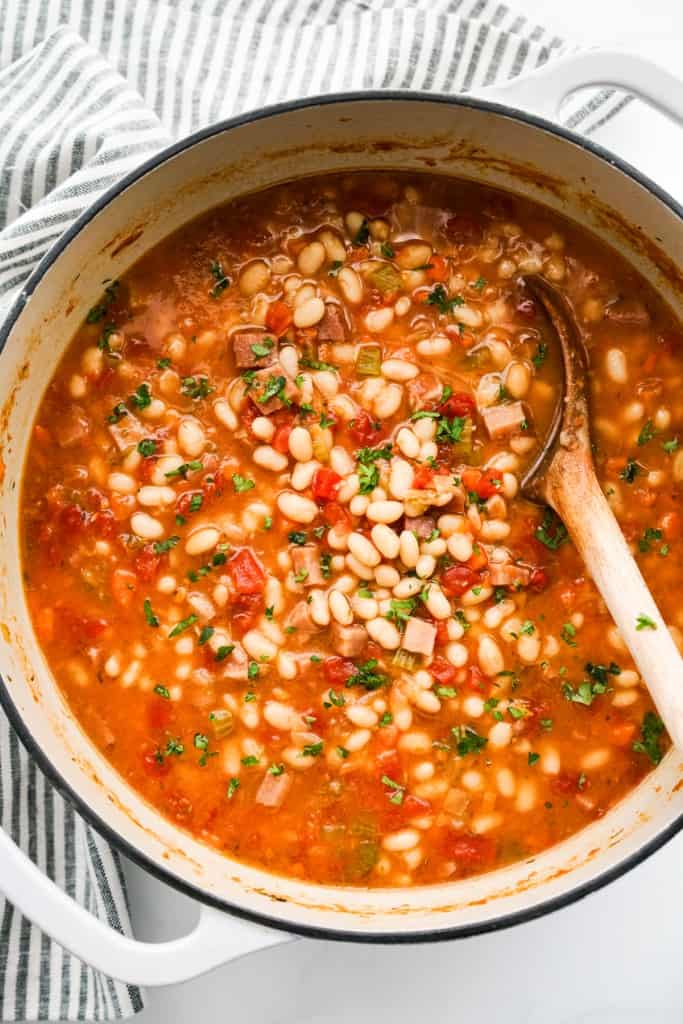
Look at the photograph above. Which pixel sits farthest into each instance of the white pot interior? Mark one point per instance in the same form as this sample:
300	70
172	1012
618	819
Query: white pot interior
410	134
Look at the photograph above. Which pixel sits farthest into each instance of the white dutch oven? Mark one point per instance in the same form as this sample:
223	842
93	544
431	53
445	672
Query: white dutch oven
489	140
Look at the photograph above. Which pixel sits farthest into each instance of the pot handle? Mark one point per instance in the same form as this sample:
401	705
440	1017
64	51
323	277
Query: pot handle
217	938
543	91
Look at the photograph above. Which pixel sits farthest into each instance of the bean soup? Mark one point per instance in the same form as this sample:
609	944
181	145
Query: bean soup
275	551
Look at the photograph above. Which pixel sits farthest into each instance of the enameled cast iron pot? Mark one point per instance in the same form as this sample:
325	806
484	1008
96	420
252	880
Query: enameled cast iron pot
486	139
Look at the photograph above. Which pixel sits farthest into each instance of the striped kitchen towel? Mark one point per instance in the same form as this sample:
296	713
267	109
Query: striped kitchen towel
89	89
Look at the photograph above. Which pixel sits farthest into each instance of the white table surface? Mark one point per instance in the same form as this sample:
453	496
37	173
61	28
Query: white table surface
615	957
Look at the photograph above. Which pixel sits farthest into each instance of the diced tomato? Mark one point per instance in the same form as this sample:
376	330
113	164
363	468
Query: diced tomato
457	579
212	486
414	806
246	572
623	733
280	440
336	670
476	680
670	525
478	559
422	477
79	629
325	484
565	782
389	763
122	505
438	268
245	609
538	580
155	765
103	523
458	404
483	484
72	518
335	514
443	671
278	317
186	500
146	564
441	633
468	851
159	713
123	586
364	430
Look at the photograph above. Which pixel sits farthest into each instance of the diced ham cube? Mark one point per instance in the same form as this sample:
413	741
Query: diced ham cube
236	665
72	428
502	420
419	637
245	358
424	389
349	641
306	564
300	619
423	526
273	789
332	327
127	432
263	382
508	575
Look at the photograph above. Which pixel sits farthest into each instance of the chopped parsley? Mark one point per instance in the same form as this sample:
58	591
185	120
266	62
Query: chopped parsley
182	626
262	348
253	670
468	740
396	788
98	312
196	387
386	719
368	473
438	297
142	398
221	281
147	447
362	235
532	758
366	676
175	747
223	651
205	635
631	470
651	732
250	761
150	618
117	413
161	547
387	250
335	267
343	752
242	483
539	357
233	786
650	535
552	532
568	632
312	749
480	283
400	610
670	446
647	432
645	622
162	691
276	769
184	468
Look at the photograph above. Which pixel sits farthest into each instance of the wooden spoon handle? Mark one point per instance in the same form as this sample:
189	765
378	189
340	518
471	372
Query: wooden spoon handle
574	492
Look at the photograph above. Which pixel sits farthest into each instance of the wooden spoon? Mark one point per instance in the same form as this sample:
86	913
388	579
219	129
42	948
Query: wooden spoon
563	476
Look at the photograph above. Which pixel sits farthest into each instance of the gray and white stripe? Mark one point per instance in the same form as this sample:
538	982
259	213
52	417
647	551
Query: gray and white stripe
88	89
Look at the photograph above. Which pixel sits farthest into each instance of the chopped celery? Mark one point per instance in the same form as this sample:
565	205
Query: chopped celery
322	441
403	659
368	361
385	278
222	722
